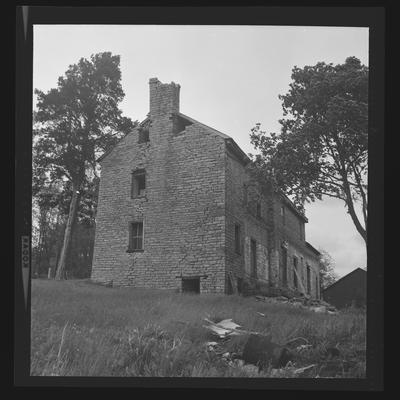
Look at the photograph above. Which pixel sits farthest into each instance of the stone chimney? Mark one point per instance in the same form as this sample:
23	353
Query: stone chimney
164	98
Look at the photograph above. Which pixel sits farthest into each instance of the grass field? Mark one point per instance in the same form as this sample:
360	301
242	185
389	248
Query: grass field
82	329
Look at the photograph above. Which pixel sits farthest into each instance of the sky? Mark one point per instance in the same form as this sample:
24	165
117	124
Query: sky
230	79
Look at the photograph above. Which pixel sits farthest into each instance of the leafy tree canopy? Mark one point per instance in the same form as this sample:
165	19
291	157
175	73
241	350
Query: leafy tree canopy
73	125
322	149
327	270
80	119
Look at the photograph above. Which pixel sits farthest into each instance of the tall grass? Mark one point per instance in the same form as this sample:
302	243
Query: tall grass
82	329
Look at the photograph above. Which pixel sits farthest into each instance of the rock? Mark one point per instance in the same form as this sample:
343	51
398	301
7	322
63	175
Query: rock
252	369
261	351
332	352
320	309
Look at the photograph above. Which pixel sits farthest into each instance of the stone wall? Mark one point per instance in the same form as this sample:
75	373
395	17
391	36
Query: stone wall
241	197
291	231
182	210
197	189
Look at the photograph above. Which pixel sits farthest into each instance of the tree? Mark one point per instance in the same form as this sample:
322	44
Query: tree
322	149
327	270
74	124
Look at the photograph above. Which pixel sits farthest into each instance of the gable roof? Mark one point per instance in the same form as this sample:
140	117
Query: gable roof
346	276
107	152
231	144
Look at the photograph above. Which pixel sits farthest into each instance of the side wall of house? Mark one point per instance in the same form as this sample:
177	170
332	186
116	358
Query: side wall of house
241	197
182	210
290	233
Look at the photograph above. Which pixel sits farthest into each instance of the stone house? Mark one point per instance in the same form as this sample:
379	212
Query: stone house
179	209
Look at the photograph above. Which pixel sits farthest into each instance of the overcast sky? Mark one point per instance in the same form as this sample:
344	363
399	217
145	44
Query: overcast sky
230	79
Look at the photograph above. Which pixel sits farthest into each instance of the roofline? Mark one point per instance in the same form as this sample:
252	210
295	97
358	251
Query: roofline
350	273
313	249
292	206
239	152
204	125
107	152
234	146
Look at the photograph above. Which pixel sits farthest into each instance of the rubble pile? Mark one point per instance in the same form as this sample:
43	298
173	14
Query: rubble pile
305	302
259	351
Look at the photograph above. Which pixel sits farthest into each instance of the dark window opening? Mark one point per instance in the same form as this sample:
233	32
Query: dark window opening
258	209
308	280
253	258
144	136
136	236
138	186
191	285
229	287
237	239
302	231
295	282
240	285
284	266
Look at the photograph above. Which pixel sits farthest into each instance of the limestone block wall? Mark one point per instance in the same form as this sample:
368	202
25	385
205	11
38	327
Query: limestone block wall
240	210
290	230
182	210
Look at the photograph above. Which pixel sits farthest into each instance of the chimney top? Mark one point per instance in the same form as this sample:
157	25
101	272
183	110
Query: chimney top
164	98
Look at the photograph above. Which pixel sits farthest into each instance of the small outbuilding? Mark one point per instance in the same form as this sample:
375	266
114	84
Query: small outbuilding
350	290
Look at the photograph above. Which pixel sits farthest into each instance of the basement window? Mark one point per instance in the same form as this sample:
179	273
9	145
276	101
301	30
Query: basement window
191	285
135	236
138	185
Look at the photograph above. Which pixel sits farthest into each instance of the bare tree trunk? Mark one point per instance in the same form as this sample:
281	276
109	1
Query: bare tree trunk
42	238
350	206
68	232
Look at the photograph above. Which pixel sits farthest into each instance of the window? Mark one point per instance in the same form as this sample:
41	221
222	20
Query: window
283	265
237	238
283	216
302	231
136	236
253	258
295	282
258	209
308	280
138	186
144	136
240	285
